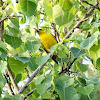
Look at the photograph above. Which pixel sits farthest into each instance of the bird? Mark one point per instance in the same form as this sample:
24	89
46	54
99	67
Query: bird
47	41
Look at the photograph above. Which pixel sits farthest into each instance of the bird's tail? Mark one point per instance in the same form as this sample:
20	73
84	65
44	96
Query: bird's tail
54	58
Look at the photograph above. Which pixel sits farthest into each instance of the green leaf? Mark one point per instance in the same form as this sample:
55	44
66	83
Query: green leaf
3	65
15	42
77	52
62	51
42	60
23	20
13	31
2	45
47	96
0	92
28	7
15	97
2	81
61	17
98	64
32	64
32	46
82	67
42	88
3	53
64	81
48	9
14	22
9	11
16	66
94	52
86	90
88	43
39	79
22	59
18	78
82	81
65	92
65	4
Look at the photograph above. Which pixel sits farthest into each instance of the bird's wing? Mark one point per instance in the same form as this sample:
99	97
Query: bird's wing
54	38
44	48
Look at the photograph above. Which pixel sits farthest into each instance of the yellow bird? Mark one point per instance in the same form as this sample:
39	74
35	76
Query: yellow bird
47	40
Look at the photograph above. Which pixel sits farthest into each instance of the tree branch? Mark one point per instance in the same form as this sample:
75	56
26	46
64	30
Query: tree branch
67	68
55	31
1	30
80	22
4	19
9	85
10	73
7	17
97	7
31	78
28	94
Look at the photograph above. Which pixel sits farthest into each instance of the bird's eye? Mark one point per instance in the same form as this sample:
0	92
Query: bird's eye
40	29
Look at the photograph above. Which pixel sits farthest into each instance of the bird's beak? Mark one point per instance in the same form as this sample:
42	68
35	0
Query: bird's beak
36	29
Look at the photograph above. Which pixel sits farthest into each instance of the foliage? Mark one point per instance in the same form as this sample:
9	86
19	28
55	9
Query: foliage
21	48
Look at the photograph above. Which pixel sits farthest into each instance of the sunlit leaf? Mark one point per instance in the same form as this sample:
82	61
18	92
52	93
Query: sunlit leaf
82	67
13	31
28	7
61	17
98	64
3	65
88	43
48	9
65	4
2	81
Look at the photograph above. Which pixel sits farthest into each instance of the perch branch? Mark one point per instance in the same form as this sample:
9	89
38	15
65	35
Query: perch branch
31	78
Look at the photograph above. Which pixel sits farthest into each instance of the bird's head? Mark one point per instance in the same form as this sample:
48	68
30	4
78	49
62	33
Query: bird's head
39	31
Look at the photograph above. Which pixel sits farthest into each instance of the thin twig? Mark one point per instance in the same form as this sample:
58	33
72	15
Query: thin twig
67	69
97	7
27	72
10	73
6	17
80	22
55	31
9	85
28	94
86	8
